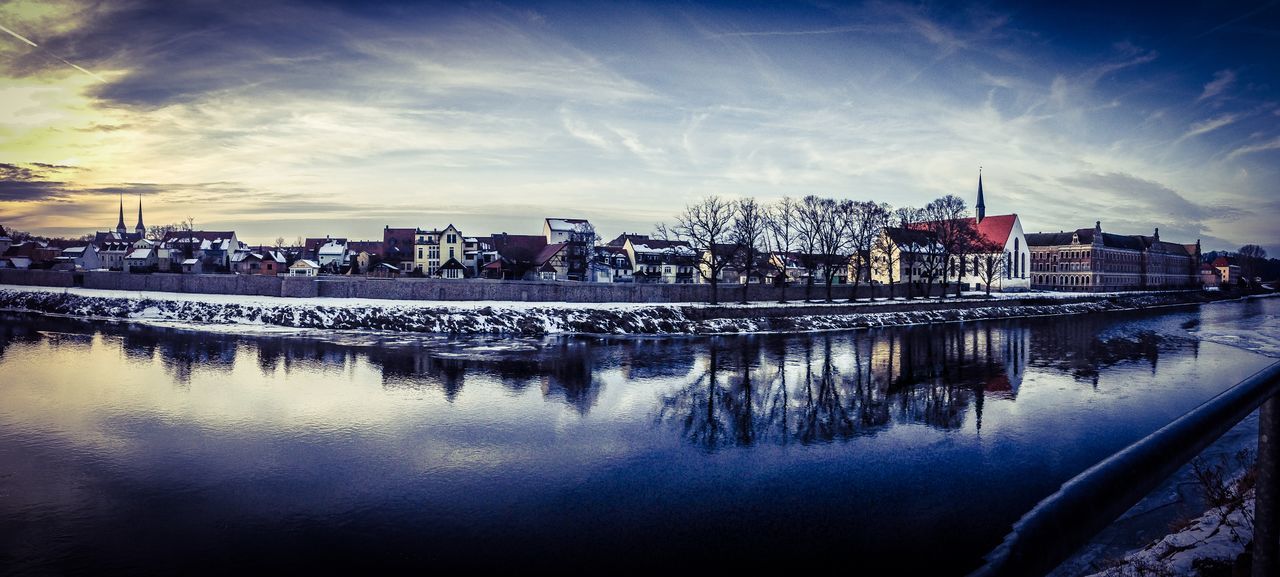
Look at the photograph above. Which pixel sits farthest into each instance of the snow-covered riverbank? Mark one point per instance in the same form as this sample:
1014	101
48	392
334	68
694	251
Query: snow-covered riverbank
533	318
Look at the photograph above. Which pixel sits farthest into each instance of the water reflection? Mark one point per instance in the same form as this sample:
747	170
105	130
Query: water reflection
431	451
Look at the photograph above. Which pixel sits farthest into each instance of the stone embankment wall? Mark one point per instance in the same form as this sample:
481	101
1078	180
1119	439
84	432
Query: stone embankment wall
422	289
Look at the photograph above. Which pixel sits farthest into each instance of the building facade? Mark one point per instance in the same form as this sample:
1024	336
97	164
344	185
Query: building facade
1090	260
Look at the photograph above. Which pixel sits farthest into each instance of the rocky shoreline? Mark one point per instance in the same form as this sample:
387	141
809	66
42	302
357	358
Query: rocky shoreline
558	318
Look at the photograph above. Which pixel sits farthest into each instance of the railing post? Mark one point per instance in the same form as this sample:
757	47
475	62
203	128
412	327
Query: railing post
1266	516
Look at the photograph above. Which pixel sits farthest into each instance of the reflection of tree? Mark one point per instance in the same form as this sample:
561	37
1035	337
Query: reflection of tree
569	374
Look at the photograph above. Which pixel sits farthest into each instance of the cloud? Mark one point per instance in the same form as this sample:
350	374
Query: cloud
1273	144
30	182
1210	125
1222	80
1145	200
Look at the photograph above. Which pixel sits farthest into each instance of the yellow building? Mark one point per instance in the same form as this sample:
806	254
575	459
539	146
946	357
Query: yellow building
434	248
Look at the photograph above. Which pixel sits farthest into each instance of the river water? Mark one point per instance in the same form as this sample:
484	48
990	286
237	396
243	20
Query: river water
126	448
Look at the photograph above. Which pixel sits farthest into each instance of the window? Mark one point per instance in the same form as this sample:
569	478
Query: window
419	253
450	252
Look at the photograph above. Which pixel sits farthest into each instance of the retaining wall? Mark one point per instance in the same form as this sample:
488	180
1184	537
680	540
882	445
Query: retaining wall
423	289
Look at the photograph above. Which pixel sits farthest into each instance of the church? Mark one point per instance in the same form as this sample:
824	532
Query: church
113	245
1002	230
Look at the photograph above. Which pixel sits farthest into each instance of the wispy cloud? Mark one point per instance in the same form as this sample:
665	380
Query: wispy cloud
1210	125
1222	80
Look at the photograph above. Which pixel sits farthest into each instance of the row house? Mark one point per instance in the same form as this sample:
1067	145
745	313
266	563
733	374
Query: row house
213	249
661	261
1089	259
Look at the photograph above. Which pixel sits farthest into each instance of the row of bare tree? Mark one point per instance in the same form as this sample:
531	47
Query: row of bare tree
830	236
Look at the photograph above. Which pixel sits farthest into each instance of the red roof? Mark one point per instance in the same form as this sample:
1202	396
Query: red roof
996	228
548	252
1221	262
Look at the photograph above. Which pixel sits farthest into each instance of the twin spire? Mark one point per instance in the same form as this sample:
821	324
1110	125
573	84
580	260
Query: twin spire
140	229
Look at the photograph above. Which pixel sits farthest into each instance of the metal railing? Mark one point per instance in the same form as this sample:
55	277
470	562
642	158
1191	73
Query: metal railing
1063	522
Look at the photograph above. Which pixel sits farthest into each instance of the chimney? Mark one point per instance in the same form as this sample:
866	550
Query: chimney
1156	234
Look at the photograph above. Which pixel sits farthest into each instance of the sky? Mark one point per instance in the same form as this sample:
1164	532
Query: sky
286	119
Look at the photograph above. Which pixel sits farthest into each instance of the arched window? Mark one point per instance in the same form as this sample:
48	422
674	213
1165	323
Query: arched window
1017	253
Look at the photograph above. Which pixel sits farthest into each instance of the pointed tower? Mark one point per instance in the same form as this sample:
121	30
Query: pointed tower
140	229
981	207
120	226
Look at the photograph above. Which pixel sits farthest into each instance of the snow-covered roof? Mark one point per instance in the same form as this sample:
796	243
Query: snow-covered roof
191	261
140	253
567	224
74	250
333	248
305	263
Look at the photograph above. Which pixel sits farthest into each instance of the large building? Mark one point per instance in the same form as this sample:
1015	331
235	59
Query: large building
433	249
1090	260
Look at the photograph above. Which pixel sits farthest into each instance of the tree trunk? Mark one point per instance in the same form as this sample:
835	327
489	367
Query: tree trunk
714	293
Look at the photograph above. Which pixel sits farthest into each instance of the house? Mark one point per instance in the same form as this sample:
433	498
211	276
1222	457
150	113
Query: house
726	256
19	256
364	254
268	263
901	255
82	257
579	236
1089	259
398	247
663	261
311	246
141	259
551	262
1227	273
304	267
433	248
213	248
1209	275
384	270
514	256
610	264
332	255
192	266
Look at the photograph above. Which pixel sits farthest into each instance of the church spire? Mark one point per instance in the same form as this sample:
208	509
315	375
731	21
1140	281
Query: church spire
120	227
140	229
981	207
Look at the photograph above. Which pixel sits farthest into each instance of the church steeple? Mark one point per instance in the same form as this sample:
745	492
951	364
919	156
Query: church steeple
981	207
120	226
140	229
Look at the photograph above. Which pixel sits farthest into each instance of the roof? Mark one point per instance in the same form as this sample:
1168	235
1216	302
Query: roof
333	247
568	224
452	264
313	244
996	229
548	252
1221	262
518	246
370	246
304	263
191	261
111	235
624	237
658	245
74	250
140	253
1086	237
909	236
209	235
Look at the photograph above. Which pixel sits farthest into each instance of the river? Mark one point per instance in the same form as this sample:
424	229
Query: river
127	448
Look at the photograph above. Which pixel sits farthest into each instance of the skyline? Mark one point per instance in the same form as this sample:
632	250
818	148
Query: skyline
304	120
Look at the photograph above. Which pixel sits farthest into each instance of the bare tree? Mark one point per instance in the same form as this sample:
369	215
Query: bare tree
279	241
749	226
945	220
863	223
991	264
705	226
908	218
783	232
809	220
1251	257
888	257
158	231
832	239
